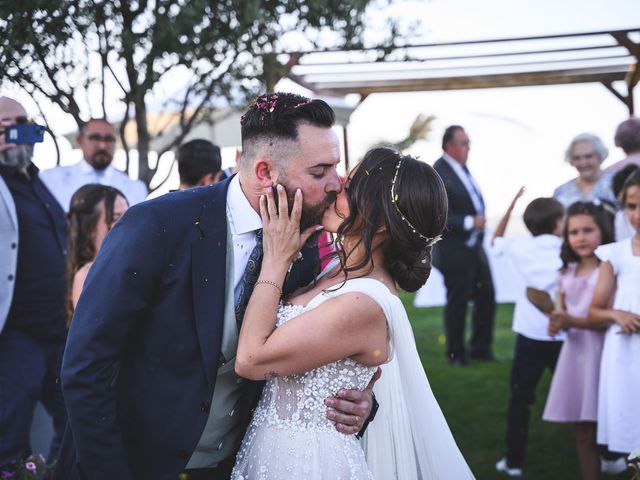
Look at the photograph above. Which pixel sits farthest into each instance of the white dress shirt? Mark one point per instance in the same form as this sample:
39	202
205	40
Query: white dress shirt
470	185
243	222
63	182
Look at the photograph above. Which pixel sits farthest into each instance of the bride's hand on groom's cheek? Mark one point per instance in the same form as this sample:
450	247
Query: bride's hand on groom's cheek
349	409
283	239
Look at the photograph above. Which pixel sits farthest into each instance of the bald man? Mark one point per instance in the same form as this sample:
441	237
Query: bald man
97	140
33	243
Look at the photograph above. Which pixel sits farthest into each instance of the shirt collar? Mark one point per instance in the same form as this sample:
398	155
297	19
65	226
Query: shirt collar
243	217
452	161
87	169
548	239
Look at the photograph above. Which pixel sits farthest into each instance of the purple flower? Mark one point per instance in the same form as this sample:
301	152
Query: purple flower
30	466
7	474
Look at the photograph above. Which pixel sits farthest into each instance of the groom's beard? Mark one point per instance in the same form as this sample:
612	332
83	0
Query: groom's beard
312	213
19	156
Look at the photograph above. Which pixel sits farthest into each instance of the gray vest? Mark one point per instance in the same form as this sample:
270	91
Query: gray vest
223	430
8	250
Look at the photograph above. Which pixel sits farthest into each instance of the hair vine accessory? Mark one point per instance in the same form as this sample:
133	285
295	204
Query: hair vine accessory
430	241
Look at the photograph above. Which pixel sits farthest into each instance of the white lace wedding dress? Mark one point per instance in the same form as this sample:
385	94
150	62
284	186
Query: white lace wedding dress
290	437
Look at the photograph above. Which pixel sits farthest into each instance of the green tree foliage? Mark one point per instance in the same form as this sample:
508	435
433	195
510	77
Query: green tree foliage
75	52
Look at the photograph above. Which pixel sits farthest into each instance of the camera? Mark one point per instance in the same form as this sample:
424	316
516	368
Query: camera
24	134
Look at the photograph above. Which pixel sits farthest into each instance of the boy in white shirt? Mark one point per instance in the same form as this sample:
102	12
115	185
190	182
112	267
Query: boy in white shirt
537	261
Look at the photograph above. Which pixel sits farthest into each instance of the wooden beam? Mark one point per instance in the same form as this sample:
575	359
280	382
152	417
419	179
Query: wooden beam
623	39
471	42
421	71
409	59
596	74
613	90
345	139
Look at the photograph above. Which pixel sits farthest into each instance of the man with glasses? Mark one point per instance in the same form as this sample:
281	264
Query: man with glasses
33	232
97	140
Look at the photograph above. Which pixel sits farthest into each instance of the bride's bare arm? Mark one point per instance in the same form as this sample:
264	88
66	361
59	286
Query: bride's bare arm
351	325
311	340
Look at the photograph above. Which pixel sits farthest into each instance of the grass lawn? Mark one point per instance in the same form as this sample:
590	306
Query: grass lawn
474	402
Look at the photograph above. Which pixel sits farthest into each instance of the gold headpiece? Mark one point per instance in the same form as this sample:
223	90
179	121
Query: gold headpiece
430	241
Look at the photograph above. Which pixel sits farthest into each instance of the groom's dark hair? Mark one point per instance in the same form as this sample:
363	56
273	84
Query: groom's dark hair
272	121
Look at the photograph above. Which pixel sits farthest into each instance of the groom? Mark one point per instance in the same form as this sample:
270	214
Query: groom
148	374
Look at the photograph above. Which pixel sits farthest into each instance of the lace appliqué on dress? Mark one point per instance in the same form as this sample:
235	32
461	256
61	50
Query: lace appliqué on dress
290	436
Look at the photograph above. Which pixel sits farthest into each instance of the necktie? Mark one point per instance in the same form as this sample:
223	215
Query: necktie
251	274
474	188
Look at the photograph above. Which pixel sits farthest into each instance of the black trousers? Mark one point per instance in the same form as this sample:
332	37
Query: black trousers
29	371
467	277
530	359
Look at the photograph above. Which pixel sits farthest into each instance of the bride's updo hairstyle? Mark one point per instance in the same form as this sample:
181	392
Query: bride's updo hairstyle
407	198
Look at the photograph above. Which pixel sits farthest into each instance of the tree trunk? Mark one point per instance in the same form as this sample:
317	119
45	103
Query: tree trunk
144	172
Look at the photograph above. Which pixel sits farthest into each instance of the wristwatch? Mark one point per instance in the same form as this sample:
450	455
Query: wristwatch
372	415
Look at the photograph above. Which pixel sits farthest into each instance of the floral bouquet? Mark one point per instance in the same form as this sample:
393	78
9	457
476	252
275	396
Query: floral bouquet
634	463
33	468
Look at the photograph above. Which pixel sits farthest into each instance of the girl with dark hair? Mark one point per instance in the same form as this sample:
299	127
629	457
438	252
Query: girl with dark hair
616	307
93	210
335	334
573	396
622	227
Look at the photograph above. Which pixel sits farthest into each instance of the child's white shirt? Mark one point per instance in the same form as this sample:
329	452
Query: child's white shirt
537	262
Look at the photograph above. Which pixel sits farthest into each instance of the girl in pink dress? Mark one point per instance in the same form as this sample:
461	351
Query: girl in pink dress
573	395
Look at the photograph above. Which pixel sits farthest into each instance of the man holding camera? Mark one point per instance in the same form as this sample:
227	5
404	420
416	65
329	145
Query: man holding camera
33	243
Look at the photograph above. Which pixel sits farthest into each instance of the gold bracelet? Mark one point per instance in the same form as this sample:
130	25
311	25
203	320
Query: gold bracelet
268	282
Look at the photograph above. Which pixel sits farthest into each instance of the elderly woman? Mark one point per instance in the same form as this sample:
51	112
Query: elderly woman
586	153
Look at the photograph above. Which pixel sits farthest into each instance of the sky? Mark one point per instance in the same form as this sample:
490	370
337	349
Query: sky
518	135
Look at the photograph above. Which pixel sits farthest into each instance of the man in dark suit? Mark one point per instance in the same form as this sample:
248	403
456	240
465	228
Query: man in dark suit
33	239
460	255
148	374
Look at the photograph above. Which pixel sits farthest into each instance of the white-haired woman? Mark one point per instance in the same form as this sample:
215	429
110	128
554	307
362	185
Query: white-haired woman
585	153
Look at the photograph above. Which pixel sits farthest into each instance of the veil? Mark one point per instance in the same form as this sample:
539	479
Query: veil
409	438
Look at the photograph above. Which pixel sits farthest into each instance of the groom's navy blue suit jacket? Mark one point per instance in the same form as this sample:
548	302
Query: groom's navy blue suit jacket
142	355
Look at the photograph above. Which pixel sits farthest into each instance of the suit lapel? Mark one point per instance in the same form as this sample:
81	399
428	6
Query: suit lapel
208	272
9	203
453	183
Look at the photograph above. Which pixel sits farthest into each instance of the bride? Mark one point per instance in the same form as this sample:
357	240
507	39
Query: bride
335	334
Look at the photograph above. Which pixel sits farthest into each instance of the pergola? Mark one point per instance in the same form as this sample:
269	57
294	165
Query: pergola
610	57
